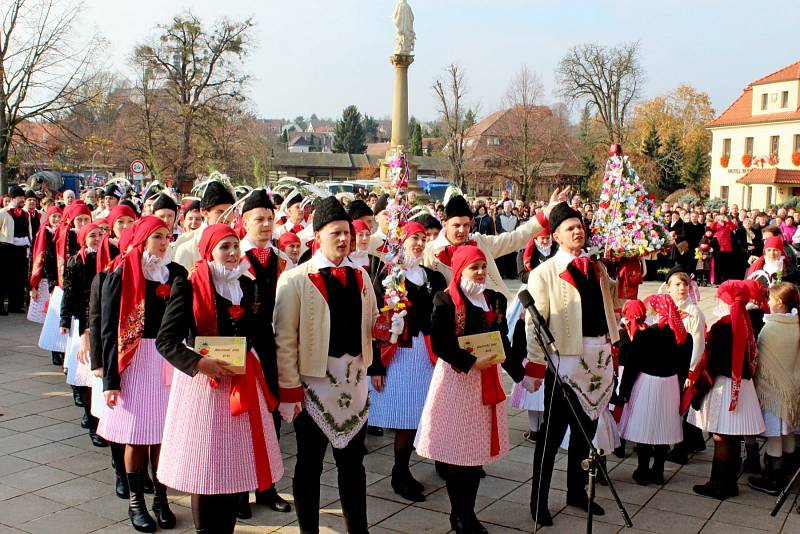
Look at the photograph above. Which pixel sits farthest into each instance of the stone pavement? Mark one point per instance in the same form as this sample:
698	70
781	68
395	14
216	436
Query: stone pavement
53	480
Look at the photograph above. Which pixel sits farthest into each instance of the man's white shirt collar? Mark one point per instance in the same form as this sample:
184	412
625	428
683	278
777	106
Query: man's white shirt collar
319	261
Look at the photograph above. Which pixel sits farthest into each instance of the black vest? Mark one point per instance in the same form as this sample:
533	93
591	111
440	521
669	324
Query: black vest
345	309
593	315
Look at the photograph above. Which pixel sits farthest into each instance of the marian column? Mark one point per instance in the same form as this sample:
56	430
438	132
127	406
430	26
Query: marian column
402	58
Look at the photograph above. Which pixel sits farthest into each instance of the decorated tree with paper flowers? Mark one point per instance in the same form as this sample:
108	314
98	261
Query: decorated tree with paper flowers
624	228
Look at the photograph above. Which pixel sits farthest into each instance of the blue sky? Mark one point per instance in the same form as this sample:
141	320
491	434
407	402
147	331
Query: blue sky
318	56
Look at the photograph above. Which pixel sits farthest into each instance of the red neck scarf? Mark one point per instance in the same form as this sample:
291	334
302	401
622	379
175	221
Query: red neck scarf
104	250
736	294
491	389
131	308
634	312
668	314
40	247
72	211
243	396
204	302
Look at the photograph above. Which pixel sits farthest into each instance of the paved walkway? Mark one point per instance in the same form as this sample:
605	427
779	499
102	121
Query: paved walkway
53	480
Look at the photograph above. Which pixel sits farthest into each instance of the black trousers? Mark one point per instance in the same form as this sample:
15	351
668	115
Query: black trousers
18	277
544	456
311	446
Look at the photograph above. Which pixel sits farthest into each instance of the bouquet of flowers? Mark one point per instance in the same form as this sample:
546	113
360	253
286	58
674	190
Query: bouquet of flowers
624	225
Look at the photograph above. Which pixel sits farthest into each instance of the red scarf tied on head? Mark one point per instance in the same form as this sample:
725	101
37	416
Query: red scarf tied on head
634	312
244	388
131	309
76	209
82	235
104	250
40	246
758	294
668	313
491	389
736	294
412	228
360	226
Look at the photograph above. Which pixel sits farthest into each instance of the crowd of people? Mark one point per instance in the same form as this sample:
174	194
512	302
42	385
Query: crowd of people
191	330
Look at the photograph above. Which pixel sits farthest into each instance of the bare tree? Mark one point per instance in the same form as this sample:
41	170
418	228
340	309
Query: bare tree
200	66
43	69
608	79
451	91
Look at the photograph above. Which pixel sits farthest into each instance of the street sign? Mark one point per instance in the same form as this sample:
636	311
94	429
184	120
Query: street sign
137	166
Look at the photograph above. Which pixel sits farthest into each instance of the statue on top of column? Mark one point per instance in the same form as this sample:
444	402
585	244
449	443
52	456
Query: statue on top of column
404	22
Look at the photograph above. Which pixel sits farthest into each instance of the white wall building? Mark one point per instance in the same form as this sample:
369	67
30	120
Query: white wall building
755	148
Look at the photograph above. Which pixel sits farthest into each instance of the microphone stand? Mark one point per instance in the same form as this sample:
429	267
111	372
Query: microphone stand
785	493
593	463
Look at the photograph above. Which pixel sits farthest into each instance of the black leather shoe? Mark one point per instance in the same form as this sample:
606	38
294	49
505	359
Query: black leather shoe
97	441
476	527
274	501
713	489
641	476
121	487
57	358
76	398
403	487
374	430
582	501
459	525
678	456
544	519
85	421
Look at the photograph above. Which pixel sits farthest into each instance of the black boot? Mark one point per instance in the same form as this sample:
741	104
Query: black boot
164	516
752	464
85	421
271	499
97	440
770	480
244	511
76	397
642	472
715	487
137	507
58	358
657	471
403	482
118	463
147	483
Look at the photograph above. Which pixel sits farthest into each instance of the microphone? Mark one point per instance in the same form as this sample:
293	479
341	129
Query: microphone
526	299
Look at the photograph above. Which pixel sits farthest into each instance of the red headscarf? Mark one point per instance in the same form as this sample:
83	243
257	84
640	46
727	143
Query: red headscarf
286	239
412	228
104	250
204	303
668	314
40	246
774	242
634	311
758	294
491	388
82	235
736	294
72	211
360	226
131	308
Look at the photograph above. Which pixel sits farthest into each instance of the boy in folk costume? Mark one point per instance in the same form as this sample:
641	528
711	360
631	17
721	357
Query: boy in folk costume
577	299
458	220
258	216
216	201
15	238
325	310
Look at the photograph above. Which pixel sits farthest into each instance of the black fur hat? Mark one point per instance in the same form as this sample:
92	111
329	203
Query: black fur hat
560	213
164	202
457	207
216	194
257	199
358	208
329	210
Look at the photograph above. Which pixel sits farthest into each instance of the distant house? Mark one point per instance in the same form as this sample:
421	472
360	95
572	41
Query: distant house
492	145
274	127
290	128
327	166
308	142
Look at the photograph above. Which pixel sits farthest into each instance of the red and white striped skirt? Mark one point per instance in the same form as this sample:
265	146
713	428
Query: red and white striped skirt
205	449
138	418
456	426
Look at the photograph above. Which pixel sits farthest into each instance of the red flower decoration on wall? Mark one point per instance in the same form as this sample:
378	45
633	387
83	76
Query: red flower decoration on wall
724	160
747	160
236	312
796	159
163	290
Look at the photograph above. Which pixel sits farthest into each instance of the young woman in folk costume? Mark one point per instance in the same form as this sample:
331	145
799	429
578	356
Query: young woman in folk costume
777	383
656	365
52	338
44	271
135	377
401	372
219	436
464	421
81	270
683	291
119	218
360	255
724	400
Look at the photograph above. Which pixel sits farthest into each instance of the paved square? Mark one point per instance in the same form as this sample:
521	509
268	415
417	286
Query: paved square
53	480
